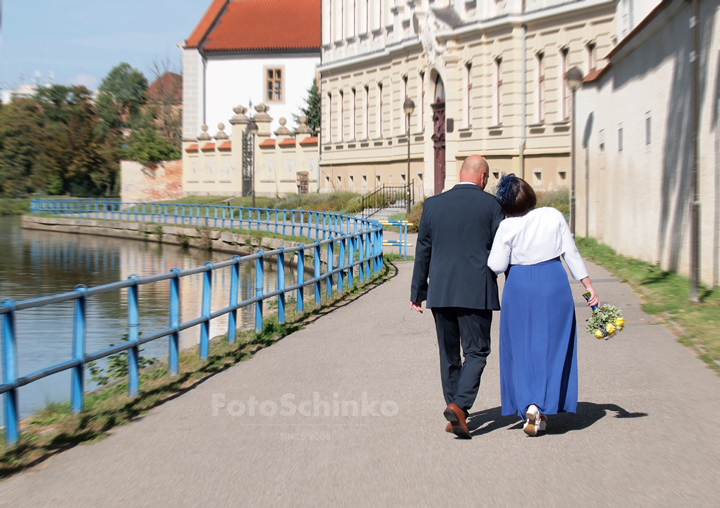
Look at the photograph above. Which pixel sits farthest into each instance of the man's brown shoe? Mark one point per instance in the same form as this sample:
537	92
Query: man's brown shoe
456	417
448	428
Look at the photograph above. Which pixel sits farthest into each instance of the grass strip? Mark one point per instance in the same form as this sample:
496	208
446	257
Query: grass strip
665	296
56	428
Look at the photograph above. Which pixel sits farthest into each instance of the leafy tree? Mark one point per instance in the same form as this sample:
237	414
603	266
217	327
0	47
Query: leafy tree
21	130
120	96
147	146
312	109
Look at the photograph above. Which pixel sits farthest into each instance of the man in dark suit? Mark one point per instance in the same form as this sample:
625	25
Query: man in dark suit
457	229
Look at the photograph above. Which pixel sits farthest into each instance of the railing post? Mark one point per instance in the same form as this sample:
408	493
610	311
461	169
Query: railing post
300	277
317	275
276	221
10	373
77	384
330	260
259	293
368	254
234	287
281	285
341	265
406	238
285	223
292	221
206	300
361	258
133	335
174	339
351	261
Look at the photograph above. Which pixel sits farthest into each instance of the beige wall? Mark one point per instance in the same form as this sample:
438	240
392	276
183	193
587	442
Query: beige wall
354	135
213	164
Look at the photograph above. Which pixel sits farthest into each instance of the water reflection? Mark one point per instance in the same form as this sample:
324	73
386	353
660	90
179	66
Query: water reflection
36	264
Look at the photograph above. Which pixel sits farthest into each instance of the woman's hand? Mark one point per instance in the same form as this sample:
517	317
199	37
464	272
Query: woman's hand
593	300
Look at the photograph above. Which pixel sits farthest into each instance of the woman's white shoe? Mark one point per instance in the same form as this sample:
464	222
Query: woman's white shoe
535	422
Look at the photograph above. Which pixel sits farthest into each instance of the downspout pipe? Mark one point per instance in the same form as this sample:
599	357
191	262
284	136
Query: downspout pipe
523	107
694	169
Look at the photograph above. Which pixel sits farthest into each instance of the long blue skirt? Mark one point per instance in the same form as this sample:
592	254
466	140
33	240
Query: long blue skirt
538	340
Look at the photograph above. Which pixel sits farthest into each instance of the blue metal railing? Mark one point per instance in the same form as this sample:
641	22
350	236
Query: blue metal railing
283	222
360	248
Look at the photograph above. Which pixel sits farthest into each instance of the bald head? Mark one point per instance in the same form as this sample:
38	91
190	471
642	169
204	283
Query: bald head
475	169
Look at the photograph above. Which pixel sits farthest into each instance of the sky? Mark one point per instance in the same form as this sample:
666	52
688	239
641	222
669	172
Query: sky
79	41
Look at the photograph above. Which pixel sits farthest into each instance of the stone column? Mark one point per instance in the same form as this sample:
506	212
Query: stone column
239	126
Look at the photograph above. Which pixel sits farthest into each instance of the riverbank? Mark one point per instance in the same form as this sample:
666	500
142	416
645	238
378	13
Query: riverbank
9	206
55	428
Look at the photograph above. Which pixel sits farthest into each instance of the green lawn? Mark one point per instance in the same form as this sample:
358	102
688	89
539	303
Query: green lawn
665	296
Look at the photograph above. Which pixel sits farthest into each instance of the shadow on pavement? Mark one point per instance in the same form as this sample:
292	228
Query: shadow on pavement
587	414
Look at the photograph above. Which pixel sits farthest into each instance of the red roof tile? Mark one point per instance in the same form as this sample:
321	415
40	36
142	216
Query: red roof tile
267	142
309	141
167	86
246	25
595	75
206	23
287	142
209	146
192	148
227	145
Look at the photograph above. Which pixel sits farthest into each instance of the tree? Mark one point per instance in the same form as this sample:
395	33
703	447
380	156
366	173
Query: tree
120	97
147	146
311	109
21	128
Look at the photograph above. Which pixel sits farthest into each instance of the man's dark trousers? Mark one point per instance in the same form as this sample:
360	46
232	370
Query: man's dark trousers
471	327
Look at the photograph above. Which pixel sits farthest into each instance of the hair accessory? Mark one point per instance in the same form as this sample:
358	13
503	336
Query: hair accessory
507	189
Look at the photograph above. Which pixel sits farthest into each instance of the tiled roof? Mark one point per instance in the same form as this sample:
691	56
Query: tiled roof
249	25
267	142
309	141
227	145
167	86
208	146
192	148
595	75
287	142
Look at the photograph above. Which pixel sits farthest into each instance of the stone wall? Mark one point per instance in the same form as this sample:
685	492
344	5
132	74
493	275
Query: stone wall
213	164
146	183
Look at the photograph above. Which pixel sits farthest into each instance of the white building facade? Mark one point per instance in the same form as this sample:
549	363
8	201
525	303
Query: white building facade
249	52
486	77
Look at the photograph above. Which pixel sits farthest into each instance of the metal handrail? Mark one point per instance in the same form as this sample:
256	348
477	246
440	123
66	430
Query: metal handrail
386	196
353	236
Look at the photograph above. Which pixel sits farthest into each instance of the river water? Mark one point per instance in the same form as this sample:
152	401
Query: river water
37	263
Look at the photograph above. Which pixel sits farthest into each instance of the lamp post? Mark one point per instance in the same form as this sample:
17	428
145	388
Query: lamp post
408	107
252	129
574	78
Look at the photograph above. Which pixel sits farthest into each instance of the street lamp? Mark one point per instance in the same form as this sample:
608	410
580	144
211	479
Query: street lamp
408	107
574	78
252	129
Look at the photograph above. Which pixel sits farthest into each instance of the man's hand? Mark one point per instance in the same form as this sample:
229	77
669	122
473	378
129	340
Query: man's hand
416	306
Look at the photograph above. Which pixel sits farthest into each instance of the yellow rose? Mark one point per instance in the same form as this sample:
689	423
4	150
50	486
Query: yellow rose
599	334
610	328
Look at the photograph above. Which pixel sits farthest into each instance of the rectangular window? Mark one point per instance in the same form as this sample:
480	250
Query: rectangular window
421	89
329	129
648	129
380	110
540	88
563	85
592	64
367	112
405	96
468	95
274	85
353	126
498	91
341	115
620	138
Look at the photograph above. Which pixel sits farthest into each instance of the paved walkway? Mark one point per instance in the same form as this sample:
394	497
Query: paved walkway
646	432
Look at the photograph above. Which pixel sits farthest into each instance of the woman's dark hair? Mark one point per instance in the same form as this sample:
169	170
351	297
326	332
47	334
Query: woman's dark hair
515	196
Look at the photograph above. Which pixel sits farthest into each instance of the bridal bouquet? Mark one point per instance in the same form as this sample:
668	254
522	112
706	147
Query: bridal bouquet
604	321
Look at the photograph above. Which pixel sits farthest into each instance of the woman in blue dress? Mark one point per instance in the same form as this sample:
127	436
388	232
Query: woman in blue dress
538	338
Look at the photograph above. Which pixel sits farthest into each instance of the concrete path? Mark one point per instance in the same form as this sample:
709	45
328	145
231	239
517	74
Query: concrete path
646	432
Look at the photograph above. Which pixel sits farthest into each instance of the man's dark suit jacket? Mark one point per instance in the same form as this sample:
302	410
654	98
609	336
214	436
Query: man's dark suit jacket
457	229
